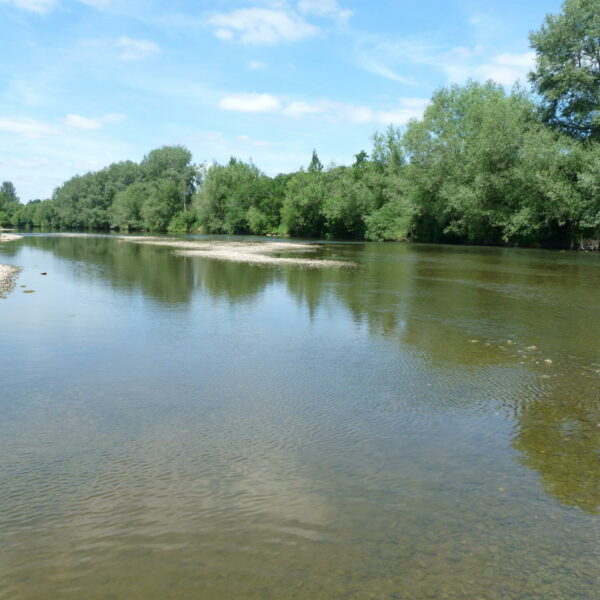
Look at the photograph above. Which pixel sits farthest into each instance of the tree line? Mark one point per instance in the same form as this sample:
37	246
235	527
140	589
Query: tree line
482	166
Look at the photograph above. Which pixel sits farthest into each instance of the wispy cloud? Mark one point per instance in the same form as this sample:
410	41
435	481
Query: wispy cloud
399	113
390	59
99	4
257	65
258	25
34	128
30	128
251	103
324	8
507	68
299	109
131	49
35	6
87	123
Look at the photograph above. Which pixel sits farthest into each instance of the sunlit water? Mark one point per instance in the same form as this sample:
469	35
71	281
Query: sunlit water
186	428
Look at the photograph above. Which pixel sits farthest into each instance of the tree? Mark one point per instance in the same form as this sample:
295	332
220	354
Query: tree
387	149
8	193
9	203
461	170
348	200
126	209
302	211
174	163
227	194
315	165
160	205
567	74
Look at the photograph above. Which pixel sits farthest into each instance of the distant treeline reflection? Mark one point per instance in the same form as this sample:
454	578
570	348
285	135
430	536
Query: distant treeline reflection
402	294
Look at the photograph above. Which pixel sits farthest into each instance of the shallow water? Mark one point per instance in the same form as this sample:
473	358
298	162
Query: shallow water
180	427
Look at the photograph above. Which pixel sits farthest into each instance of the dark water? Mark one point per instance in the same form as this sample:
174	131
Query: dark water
185	428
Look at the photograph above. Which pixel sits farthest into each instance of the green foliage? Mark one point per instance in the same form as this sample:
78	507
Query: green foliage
182	222
481	166
315	165
126	195
387	149
8	193
173	163
84	202
126	209
9	203
347	202
162	202
227	195
397	217
461	161
567	74
302	211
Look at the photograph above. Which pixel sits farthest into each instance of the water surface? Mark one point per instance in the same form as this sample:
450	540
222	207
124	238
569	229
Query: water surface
179	427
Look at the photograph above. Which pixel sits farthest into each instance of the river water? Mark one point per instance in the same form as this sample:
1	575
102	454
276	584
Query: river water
421	425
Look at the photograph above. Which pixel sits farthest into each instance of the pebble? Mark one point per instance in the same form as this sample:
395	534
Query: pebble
548	361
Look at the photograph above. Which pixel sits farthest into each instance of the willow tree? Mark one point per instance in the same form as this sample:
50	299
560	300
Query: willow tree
567	73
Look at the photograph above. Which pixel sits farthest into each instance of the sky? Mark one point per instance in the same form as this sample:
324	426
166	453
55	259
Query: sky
84	83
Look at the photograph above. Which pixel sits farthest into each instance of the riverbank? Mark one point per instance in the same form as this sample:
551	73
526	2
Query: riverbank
8	273
8	277
9	237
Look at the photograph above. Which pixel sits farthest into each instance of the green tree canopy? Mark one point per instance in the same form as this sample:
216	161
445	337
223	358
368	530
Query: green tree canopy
315	165
567	74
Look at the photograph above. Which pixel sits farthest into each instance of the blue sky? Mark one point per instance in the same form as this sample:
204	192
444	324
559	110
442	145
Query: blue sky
84	83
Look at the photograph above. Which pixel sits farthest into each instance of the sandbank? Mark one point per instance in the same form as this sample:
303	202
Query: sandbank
260	253
9	237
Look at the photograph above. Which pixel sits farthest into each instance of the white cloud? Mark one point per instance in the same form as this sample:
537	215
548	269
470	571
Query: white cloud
324	8
87	123
250	103
30	128
507	68
33	128
378	68
99	4
257	65
36	6
458	64
302	109
224	34
261	26
136	49
388	59
407	109
329	110
45	6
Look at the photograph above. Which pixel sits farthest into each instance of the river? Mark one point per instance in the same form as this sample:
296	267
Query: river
420	424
